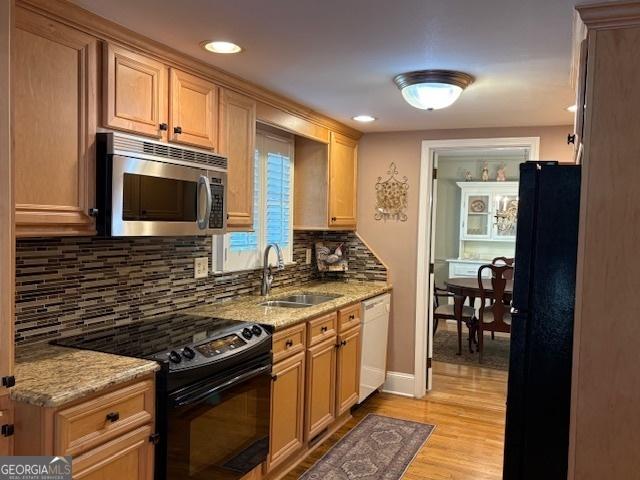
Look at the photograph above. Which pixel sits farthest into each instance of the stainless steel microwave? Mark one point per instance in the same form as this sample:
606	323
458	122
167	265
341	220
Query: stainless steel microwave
149	188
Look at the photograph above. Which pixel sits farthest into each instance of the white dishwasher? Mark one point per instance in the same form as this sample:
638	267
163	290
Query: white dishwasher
375	331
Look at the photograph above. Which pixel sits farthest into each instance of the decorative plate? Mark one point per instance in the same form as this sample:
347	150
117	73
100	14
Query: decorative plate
478	206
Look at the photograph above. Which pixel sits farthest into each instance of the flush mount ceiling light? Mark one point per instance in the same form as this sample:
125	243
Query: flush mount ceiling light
219	46
364	118
432	89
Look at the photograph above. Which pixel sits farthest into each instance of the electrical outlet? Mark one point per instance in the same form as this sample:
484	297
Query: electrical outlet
308	256
201	267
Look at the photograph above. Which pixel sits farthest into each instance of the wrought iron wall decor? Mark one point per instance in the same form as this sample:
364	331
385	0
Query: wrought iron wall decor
391	196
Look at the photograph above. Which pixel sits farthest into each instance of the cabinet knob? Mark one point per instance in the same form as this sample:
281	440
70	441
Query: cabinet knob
323	329
177	130
274	377
164	126
289	343
113	416
352	316
571	138
93	212
333	219
343	343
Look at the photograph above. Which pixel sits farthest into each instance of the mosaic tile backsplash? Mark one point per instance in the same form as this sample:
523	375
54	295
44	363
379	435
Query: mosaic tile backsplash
68	285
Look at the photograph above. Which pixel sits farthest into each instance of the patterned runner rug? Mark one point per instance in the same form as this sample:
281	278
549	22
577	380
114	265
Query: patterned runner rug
378	448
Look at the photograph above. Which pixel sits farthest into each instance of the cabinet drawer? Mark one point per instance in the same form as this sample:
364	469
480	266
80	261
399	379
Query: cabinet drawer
88	424
349	317
322	328
467	270
288	342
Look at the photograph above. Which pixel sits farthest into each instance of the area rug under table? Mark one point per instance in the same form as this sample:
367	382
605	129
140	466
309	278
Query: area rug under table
378	448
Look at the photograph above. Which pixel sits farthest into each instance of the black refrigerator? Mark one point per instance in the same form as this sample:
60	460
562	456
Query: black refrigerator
539	388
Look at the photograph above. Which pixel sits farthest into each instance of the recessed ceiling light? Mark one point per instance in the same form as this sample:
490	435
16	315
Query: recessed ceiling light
364	118
221	47
432	89
572	108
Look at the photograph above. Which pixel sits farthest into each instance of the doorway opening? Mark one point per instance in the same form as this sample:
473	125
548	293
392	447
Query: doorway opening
468	192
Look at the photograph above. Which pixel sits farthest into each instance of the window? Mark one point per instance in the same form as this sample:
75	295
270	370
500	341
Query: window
272	210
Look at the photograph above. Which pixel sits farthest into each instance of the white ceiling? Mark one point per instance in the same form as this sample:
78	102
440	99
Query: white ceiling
340	56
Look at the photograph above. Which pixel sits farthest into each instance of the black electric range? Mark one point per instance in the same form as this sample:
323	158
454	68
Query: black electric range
212	390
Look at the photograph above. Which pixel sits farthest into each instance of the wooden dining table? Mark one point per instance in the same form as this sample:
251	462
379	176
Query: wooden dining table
468	287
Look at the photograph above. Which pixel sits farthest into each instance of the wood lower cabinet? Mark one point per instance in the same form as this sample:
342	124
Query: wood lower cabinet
54	83
128	457
107	435
134	92
287	409
193	110
237	139
348	370
321	387
343	173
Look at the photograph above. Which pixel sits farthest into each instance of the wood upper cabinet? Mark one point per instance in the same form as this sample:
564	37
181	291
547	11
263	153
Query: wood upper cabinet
325	184
343	171
193	110
348	370
321	387
237	141
54	81
128	457
287	409
135	92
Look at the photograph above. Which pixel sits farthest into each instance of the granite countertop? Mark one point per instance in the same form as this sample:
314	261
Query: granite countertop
249	308
50	376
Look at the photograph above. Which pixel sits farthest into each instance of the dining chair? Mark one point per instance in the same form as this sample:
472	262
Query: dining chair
446	311
495	315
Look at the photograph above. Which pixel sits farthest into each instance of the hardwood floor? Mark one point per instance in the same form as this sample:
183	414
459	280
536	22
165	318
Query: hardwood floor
467	405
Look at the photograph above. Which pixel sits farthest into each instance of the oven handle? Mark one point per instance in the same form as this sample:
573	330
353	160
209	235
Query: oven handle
186	400
203	221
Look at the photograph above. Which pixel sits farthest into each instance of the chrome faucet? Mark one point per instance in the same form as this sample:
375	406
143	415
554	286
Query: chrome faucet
267	273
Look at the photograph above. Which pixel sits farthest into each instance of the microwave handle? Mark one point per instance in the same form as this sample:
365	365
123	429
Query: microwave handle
203	220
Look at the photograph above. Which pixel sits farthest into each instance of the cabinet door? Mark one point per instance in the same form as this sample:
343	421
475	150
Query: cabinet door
287	409
55	105
476	216
135	93
343	171
237	142
193	110
348	381
321	387
128	457
505	206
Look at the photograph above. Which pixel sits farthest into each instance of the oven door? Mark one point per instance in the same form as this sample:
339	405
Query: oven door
150	198
219	428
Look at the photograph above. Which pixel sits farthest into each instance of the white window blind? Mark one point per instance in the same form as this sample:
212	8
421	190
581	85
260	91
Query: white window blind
273	198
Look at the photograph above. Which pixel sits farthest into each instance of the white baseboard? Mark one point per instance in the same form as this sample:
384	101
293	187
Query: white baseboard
399	383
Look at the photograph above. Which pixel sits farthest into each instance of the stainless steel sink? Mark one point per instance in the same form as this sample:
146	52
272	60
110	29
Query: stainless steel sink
300	300
280	303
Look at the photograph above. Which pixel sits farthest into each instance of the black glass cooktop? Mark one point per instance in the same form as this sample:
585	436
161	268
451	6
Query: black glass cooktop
145	338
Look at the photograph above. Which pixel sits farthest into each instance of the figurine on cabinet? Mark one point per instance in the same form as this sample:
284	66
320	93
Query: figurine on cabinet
501	175
485	172
467	176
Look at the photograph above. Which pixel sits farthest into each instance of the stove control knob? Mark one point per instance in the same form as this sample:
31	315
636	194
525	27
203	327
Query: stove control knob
246	333
174	357
257	331
188	353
